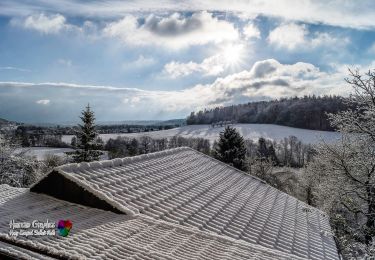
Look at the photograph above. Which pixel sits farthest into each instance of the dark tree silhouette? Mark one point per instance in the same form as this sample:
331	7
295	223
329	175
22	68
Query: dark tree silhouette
86	138
308	112
262	148
231	148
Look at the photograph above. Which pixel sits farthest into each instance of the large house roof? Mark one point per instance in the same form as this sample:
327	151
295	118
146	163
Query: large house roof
187	188
101	234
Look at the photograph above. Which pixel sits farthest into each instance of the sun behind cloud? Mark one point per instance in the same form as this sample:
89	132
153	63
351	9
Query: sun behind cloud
233	54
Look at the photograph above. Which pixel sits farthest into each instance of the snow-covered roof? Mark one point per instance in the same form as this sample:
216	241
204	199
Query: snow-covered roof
187	188
100	234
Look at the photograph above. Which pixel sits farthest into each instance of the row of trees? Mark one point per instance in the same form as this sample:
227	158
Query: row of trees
308	112
231	148
35	131
287	152
38	140
124	146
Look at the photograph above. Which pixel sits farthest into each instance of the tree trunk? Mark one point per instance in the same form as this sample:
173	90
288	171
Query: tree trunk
309	195
370	223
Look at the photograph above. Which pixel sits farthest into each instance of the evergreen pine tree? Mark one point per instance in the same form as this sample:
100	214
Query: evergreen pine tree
231	148
86	138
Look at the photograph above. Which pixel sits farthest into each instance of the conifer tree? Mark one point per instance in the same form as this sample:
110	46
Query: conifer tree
231	148
86	138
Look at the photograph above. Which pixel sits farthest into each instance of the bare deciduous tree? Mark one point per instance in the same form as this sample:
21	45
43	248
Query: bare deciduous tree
16	169
344	172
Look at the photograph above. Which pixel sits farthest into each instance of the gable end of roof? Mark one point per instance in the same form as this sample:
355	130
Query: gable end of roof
61	186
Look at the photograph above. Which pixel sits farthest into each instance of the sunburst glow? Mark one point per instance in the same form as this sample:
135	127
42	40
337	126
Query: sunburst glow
233	55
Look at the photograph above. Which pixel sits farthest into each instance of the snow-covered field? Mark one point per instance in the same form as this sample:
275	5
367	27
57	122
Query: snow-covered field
41	152
249	131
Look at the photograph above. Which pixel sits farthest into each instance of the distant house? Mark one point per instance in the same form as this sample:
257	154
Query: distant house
175	204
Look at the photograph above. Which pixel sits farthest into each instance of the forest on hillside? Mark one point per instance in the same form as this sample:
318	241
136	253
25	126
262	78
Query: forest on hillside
309	112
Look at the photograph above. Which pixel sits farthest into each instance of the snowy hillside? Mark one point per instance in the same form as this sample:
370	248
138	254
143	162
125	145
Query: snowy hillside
249	131
40	153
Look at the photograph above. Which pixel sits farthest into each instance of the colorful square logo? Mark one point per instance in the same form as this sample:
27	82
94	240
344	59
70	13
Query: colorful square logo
64	227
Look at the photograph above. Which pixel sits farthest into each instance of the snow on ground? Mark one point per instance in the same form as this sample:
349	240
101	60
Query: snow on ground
249	131
41	152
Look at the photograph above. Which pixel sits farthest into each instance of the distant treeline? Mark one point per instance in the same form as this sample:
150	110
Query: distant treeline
124	146
31	135
309	112
287	152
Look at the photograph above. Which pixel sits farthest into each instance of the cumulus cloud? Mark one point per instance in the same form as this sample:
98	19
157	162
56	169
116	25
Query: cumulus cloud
210	66
266	79
174	31
228	56
250	31
288	36
52	24
43	102
354	14
47	24
297	36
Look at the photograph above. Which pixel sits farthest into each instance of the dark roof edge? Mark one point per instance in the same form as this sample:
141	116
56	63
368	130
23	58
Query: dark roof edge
25	245
84	185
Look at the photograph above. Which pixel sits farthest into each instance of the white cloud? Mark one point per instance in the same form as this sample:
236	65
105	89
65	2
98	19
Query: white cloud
140	62
228	56
174	31
326	39
266	79
213	65
47	24
288	36
354	14
132	102
250	31
292	36
43	102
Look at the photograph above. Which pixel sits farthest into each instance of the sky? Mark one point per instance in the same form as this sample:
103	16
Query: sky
158	60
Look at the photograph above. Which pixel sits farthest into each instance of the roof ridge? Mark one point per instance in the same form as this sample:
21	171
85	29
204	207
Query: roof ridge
117	161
